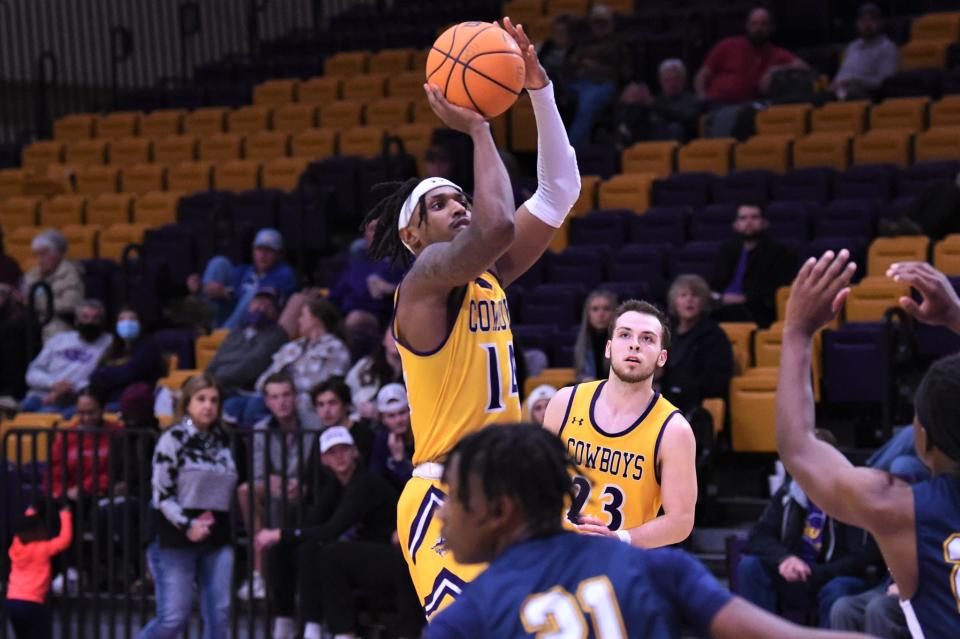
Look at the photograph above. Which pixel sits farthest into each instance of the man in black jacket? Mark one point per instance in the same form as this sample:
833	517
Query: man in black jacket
750	269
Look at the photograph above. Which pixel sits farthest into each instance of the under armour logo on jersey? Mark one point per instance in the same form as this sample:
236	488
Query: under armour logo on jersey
577	420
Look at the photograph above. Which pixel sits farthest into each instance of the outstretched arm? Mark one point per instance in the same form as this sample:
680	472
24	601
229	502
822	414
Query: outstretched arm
740	619
557	174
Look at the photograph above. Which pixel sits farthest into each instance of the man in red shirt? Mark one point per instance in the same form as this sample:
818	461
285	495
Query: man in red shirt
739	68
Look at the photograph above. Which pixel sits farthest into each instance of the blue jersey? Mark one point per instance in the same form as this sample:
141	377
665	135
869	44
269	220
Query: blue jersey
936	604
578	586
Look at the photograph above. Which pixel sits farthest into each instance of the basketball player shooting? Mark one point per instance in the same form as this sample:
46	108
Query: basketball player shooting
451	320
917	527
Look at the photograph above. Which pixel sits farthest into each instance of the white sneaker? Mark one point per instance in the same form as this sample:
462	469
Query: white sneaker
256	584
72	579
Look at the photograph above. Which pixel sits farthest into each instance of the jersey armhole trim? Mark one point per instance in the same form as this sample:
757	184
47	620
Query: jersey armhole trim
656	448
566	414
459	291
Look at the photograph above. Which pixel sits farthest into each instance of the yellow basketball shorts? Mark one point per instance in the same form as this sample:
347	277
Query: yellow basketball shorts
437	577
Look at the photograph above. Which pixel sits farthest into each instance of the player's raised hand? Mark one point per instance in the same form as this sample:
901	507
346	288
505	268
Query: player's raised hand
455	117
536	75
819	291
940	305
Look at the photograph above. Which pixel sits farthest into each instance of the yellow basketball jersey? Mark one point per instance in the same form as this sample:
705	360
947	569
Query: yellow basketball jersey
470	381
618	481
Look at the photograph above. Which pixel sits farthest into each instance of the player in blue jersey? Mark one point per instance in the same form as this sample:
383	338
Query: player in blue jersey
917	527
508	489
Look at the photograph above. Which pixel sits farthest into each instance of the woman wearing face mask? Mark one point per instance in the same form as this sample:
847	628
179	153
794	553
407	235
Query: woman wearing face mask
133	357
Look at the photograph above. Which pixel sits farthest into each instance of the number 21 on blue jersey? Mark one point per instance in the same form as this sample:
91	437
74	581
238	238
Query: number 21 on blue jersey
557	614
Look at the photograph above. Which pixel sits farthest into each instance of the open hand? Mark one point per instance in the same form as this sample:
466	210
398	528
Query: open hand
940	305
592	526
819	291
535	76
455	117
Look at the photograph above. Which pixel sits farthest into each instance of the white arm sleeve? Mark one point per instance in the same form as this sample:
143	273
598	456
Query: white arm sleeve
558	178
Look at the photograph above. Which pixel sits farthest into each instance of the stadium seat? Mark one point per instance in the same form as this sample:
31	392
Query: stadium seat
767	152
946	255
388	112
109	208
416	139
783	295
857	246
840	218
115	238
205	347
556	377
160	124
206	121
600	228
885	251
854	367
567	7
423	114
595	159
249	119
365	88
391	61
698	258
784	119
12	182
908	114
127	151
937	143
341	114
588	195
274	93
922	54
96	179
713	222
81	241
873	182
945	111
662	225
83	152
913	180
17	244
156	208
814	184
142	178
683	189
266	145
220	147
174	149
408	84
523	11
753	413
626	191
346	64
706	155
28	443
283	174
740	335
871	297
743	186
236	176
294	117
362	141
883	147
118	124
320	90
650	157
190	177
822	149
314	144
848	118
71	128
41	154
936	27
523	128
63	210
577	265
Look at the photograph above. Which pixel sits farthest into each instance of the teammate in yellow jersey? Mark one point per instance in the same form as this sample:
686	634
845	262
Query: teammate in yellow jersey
451	319
634	450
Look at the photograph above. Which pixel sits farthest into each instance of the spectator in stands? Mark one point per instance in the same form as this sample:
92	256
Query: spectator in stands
556	54
320	353
700	364
437	162
589	361
599	67
332	402
133	357
63	276
194	477
228	289
672	115
798	557
868	60
10	272
749	270
306	560
280	453
876	612
372	372
78	452
243	356
392	453
14	341
537	402
67	361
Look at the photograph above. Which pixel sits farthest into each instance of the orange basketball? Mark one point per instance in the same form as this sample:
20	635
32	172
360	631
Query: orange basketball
477	65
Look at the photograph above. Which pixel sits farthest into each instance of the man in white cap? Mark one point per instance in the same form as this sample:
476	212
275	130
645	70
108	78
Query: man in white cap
228	289
392	453
64	276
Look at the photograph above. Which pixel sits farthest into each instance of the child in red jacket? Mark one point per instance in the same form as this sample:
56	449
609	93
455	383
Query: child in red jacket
30	555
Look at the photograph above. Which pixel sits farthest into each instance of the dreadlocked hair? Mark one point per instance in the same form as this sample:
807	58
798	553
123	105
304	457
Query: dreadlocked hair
521	461
386	236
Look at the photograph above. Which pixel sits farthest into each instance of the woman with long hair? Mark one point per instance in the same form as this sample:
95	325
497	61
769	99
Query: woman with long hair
373	372
589	361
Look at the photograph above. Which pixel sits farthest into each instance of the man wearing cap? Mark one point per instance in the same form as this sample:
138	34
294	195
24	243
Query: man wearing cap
393	443
63	276
228	289
869	59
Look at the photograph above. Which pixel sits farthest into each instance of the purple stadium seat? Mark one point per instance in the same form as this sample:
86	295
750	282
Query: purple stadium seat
853	364
601	227
914	179
897	208
874	181
640	263
683	189
577	265
743	186
713	222
695	257
598	159
805	185
539	336
177	342
255	209
914	83
788	220
846	218
856	245
175	244
660	225
937	341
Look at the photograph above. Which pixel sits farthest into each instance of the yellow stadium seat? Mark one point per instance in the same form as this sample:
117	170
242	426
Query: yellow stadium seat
174	149
80	126
937	27
784	119
871	297
740	335
711	155
900	113
945	111
220	147
143	178
937	143
12	182
589	185
539	29
416	138
408	85
321	90
314	144
364	141
626	191
523	126
127	151
365	88
41	154
946	255
341	114
17	245
249	119
236	176
156	208
717	408
650	157
556	377
119	124
768	152
419	62
27	442
568	7
391	61
848	118
753	413
274	93
389	112
84	152
923	54
158	124
625	7
283	173
346	64
266	145
293	118
524	12
885	251
822	149
190	177
63	210
81	241
893	146
97	179
206	121
783	294
423	114
109	209
115	238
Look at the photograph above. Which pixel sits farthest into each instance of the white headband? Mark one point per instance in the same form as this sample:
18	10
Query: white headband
410	204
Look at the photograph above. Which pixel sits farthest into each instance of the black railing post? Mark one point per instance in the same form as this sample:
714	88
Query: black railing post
188	21
121	48
44	75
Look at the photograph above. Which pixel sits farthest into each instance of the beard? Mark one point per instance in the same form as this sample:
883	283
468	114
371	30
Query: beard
637	377
758	39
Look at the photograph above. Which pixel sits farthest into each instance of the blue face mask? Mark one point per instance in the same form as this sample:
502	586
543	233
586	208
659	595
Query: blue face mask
128	329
